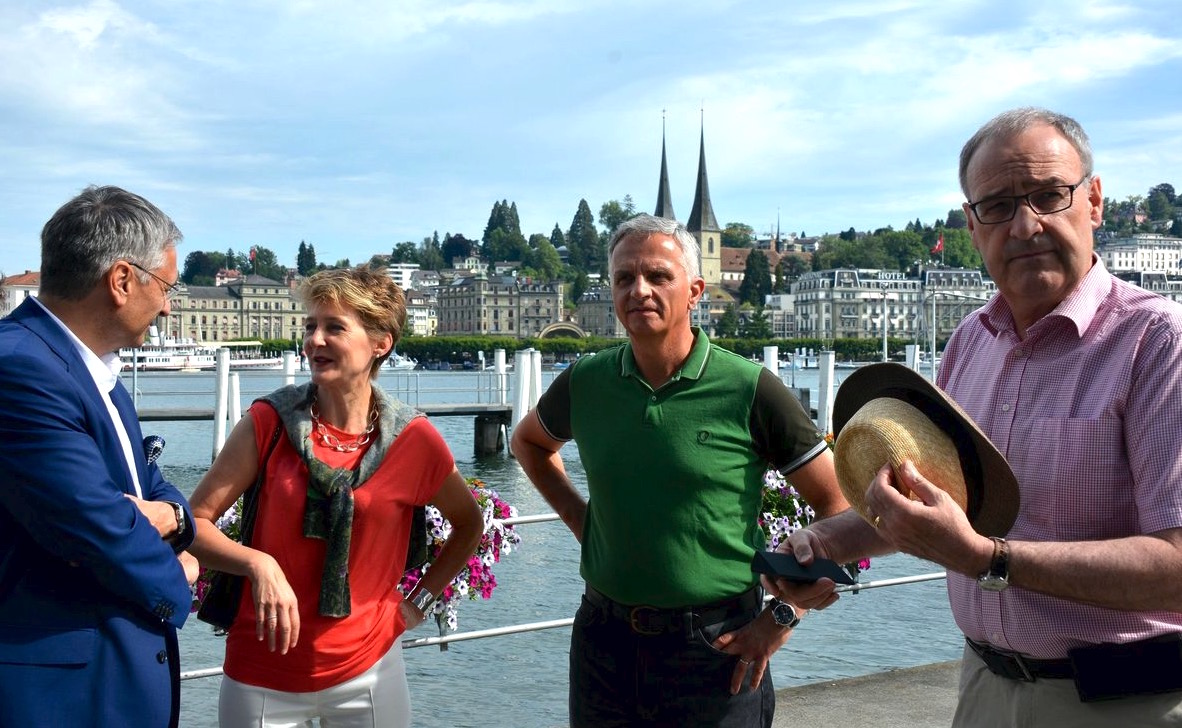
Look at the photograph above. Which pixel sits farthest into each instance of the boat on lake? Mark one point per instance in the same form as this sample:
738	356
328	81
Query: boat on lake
168	355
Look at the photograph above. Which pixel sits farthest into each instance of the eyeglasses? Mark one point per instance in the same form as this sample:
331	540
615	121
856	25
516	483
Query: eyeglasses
171	290
995	210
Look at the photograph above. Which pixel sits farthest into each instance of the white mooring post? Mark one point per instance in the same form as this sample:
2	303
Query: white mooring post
289	368
771	359
234	411
502	378
535	378
521	373
826	391
220	399
912	356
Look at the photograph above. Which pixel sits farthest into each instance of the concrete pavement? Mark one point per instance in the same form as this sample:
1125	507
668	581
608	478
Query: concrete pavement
917	697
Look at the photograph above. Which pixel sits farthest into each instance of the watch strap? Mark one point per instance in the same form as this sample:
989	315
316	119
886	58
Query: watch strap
422	600
179	512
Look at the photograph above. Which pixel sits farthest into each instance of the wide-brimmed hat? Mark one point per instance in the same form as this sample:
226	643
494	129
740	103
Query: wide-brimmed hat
888	413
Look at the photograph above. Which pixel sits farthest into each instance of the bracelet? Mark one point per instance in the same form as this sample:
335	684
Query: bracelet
422	600
180	518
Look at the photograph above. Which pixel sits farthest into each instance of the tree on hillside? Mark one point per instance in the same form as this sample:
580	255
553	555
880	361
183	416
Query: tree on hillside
849	235
502	238
543	260
757	279
456	246
264	263
956	219
431	253
582	240
794	267
613	213
557	237
306	259
1159	205
201	268
738	235
405	252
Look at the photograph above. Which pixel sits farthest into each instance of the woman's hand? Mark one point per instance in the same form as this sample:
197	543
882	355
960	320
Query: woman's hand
276	609
411	615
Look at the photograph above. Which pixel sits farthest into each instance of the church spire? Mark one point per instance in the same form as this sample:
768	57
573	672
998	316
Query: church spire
701	217
664	199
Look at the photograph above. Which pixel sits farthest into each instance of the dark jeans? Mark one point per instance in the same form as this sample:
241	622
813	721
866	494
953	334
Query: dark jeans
619	678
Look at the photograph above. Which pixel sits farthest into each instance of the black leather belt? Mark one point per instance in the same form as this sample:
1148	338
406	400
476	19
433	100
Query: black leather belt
651	621
1015	666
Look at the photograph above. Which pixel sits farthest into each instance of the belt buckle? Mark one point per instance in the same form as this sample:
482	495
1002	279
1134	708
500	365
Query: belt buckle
634	621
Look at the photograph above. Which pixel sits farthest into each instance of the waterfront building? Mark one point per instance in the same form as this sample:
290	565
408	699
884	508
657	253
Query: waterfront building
1143	252
596	314
780	309
249	307
498	305
859	303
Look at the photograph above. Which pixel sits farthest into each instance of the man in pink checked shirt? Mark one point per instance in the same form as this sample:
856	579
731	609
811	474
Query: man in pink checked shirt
1075	618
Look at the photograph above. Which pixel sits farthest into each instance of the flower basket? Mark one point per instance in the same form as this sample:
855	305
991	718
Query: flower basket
476	580
783	511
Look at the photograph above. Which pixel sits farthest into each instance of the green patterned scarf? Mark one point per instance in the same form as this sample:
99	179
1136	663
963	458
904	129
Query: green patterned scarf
328	510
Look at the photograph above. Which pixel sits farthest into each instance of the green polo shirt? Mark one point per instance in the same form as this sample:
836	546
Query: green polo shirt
675	475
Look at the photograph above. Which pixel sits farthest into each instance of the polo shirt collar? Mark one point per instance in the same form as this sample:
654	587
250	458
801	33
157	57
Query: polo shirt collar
694	366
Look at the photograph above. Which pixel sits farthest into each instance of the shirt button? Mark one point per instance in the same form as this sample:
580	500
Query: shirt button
1005	408
654	398
162	657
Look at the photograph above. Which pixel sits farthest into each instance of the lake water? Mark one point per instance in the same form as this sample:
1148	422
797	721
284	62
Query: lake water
520	680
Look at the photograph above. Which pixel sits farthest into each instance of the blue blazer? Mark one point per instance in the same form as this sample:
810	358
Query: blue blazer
90	595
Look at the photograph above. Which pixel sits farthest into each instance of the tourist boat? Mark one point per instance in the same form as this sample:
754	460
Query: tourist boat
398	362
250	355
168	355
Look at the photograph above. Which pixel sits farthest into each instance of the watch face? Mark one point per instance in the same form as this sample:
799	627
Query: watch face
785	615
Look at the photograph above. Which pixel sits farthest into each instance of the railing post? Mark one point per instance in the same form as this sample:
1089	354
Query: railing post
521	370
771	359
502	379
535	377
220	399
289	367
234	411
825	391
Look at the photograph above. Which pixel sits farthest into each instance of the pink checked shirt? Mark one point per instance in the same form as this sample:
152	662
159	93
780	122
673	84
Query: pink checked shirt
1088	412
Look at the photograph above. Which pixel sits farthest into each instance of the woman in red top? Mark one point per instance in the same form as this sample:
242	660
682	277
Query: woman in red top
317	636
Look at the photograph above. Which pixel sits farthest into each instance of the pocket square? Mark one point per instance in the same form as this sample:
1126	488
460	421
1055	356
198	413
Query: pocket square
153	446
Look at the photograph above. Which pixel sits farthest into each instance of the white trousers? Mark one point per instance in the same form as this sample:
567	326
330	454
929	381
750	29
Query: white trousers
377	698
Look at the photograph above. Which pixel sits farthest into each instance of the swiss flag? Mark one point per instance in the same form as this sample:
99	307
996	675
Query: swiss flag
939	246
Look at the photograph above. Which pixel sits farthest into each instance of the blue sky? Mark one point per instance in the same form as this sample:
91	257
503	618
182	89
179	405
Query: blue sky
357	125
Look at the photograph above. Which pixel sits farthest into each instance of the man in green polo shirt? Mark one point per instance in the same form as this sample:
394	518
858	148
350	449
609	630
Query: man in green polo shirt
675	435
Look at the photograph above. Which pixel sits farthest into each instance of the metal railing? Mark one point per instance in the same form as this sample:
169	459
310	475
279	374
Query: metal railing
567	621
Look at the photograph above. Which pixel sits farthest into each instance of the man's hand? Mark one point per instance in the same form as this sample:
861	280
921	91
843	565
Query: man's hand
161	515
190	565
753	644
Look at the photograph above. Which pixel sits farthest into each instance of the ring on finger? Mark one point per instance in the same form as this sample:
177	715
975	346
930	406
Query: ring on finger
876	522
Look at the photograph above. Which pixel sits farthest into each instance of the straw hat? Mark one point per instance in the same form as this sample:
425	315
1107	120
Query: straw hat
887	413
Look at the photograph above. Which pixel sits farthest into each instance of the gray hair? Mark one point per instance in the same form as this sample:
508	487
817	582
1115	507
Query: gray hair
644	225
1016	121
99	227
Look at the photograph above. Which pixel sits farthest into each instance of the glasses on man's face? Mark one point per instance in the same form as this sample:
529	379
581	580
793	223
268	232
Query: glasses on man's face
171	290
1044	201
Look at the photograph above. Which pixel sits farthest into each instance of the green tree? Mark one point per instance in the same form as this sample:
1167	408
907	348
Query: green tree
794	266
614	213
405	252
543	259
502	238
306	259
584	251
956	219
1159	205
201	268
738	235
456	246
728	323
757	279
265	264
756	325
431	253
557	238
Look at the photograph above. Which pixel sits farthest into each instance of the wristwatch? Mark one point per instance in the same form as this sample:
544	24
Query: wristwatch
180	518
422	600
784	614
998	576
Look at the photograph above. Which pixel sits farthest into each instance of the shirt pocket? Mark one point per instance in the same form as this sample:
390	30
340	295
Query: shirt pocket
1081	489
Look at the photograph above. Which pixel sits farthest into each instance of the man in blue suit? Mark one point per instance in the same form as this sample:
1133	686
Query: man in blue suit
94	581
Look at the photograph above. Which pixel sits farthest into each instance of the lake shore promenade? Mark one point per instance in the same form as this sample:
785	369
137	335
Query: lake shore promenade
915	697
